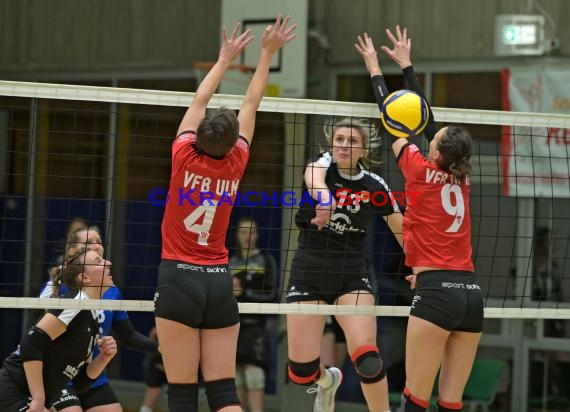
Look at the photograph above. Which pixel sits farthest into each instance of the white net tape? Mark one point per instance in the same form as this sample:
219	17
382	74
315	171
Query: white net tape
496	308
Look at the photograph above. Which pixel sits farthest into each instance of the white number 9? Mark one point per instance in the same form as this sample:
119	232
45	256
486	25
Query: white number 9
456	210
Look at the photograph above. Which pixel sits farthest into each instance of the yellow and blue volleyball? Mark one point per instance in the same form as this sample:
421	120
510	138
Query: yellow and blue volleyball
404	114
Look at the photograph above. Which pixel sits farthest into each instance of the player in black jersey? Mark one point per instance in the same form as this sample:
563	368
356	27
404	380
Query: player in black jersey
58	348
329	267
100	397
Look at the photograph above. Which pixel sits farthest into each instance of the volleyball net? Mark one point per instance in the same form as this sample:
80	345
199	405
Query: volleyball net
103	154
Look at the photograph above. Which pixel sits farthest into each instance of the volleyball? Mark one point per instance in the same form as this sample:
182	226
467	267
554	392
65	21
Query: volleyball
404	113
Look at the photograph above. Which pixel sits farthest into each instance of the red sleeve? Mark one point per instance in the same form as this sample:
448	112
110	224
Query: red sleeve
184	140
411	161
240	153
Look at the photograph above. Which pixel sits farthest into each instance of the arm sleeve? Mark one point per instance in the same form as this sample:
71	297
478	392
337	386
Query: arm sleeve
82	381
269	292
380	89
133	339
414	85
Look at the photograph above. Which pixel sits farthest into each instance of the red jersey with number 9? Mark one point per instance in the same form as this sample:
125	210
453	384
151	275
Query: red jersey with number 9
201	196
436	225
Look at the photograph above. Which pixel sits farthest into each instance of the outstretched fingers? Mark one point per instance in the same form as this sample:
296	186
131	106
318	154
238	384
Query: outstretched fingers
365	44
235	30
391	37
290	33
278	34
245	38
398	32
278	23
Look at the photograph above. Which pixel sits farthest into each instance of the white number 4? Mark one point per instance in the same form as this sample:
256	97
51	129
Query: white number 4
456	210
206	211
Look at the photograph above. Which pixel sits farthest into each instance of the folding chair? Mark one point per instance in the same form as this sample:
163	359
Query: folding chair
481	387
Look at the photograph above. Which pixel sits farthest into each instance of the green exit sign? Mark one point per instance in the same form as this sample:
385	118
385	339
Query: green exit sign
519	35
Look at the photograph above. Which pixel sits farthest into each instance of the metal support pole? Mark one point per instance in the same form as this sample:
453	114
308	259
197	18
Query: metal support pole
110	192
524	263
28	239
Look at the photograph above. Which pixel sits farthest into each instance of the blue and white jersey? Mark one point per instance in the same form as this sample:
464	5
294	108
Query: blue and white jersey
47	290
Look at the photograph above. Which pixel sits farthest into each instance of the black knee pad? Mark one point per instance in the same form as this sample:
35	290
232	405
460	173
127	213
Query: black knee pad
443	406
221	393
304	373
368	364
412	404
183	397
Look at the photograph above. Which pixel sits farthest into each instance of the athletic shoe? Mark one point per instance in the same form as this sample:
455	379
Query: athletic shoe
324	402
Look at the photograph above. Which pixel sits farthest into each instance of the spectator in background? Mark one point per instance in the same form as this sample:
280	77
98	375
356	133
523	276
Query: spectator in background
333	346
255	279
155	378
547	287
546	279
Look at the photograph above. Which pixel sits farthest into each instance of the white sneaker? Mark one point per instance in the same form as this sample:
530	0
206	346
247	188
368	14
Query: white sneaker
324	402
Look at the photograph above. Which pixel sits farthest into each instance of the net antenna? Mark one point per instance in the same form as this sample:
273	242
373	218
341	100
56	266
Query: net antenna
237	76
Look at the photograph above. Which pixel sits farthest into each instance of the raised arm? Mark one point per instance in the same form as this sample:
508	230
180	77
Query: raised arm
365	47
315	175
274	37
231	48
401	54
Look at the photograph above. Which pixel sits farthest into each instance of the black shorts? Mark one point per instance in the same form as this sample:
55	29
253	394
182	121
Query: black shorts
332	326
154	376
68	397
12	397
101	395
197	296
15	399
316	278
449	299
252	346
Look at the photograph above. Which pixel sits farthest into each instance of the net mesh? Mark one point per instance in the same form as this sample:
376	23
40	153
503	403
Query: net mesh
103	154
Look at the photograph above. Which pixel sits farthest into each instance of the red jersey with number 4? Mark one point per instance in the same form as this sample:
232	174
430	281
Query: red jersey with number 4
201	196
436	226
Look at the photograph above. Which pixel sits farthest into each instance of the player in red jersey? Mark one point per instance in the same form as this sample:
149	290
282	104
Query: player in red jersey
446	316
197	319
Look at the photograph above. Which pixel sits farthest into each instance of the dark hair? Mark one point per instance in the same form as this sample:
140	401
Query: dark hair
241	221
218	132
66	273
455	147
